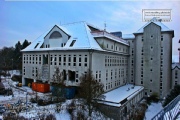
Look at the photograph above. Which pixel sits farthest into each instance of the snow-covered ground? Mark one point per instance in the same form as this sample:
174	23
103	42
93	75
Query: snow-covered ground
35	111
152	110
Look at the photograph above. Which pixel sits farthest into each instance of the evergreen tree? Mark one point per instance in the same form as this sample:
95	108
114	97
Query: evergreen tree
25	44
173	94
90	90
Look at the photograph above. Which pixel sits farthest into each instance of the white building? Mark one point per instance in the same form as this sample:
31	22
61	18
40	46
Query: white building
74	48
143	58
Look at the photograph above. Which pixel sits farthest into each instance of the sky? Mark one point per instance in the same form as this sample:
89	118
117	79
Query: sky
28	19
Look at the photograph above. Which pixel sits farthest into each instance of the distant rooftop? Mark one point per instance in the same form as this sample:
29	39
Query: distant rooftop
174	65
128	36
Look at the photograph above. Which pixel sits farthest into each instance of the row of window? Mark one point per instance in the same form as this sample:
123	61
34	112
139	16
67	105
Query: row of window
116	48
64	60
119	76
152	36
115	61
69	60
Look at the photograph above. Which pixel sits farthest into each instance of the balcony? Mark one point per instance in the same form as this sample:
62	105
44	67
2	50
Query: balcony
97	34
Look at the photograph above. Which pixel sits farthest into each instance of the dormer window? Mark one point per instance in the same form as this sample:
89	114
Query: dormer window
72	43
55	35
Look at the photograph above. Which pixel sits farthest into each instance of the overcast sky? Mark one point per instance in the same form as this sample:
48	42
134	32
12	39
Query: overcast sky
20	20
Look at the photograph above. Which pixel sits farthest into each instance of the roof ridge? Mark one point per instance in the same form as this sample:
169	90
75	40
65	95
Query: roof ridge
85	25
72	23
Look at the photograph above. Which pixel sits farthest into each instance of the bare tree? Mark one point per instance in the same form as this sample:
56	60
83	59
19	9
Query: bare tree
58	83
90	90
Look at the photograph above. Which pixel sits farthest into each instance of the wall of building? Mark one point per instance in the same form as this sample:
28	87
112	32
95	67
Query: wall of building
123	111
153	51
33	64
110	68
175	76
131	64
55	42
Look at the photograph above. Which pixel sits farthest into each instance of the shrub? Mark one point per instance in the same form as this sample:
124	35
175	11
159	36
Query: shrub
173	94
33	100
17	78
40	102
71	107
153	98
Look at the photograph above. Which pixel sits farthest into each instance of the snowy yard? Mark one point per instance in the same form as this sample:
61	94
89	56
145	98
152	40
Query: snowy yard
152	110
35	111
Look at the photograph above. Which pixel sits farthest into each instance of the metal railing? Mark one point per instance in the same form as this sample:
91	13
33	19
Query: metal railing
170	111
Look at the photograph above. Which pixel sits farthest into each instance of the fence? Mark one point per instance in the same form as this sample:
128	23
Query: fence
170	112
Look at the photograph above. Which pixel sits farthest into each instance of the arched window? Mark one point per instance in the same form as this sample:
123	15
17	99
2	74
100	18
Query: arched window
55	35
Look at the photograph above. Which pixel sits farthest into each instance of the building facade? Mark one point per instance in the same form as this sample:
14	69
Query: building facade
142	58
150	57
75	48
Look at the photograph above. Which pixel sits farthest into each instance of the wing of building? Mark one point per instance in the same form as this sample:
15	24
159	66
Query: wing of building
142	58
151	57
74	48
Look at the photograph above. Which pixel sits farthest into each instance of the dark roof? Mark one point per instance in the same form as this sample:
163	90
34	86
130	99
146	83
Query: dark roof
175	65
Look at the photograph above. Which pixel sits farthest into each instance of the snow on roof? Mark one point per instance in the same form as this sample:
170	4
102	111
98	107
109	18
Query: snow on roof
157	22
128	36
81	33
39	41
78	31
110	36
116	96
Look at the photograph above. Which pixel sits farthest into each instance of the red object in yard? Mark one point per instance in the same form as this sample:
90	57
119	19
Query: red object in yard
41	87
34	86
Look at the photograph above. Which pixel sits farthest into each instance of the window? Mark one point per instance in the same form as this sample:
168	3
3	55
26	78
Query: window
161	38
36	59
79	60
36	45
151	36
24	70
69	60
151	80
74	60
51	59
72	43
107	45
64	59
33	59
59	59
85	60
142	39
55	60
55	35
29	58
39	59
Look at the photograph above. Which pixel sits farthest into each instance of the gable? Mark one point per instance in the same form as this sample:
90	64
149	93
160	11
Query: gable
56	32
